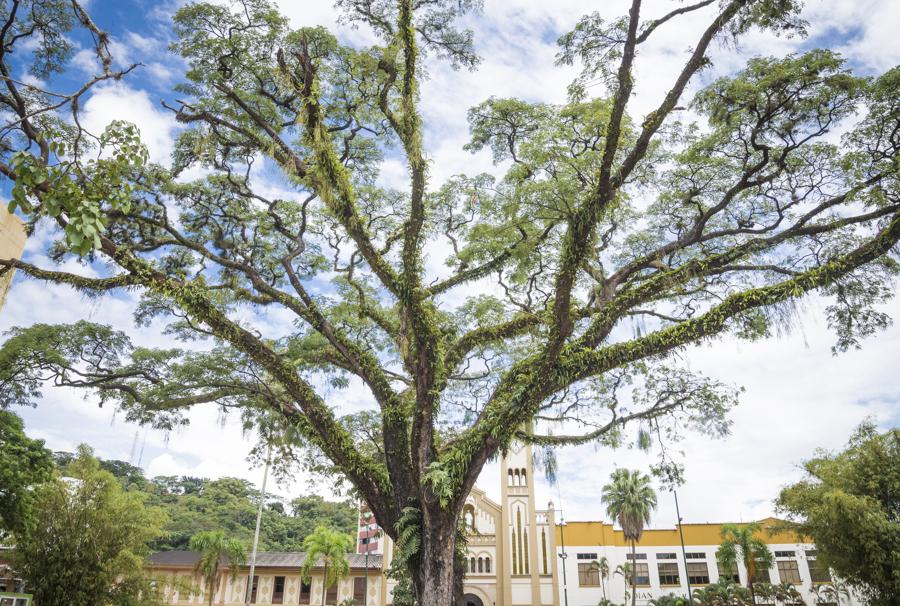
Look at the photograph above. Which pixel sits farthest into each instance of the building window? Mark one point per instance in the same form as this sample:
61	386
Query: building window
641	575
527	553
817	572
587	556
544	549
588	575
472	565
481	565
305	591
698	573
729	573
668	574
515	561
762	574
253	590
695	555
487	565
636	556
665	556
788	571
278	593
331	595
785	554
359	590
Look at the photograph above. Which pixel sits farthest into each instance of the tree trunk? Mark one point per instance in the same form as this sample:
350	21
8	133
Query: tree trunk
633	572
324	586
211	586
434	578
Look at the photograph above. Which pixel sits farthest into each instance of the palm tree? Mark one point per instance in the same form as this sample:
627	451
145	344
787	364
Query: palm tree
830	593
603	566
721	593
330	547
625	571
741	543
630	499
214	547
669	600
787	593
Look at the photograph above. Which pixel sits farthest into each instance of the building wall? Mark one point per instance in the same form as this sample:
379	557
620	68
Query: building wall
589	542
12	243
184	586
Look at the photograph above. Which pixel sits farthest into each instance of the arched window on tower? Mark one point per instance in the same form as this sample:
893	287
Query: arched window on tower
472	564
509	477
487	565
480	564
517	478
524	483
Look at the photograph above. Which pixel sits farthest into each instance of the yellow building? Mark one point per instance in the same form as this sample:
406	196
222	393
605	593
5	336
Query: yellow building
277	580
12	243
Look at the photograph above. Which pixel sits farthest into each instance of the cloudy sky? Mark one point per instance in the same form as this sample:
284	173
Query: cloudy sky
798	396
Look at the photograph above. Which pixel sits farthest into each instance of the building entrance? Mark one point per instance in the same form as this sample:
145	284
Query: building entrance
472	600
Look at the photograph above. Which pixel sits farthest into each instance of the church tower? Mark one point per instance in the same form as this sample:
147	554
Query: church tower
529	547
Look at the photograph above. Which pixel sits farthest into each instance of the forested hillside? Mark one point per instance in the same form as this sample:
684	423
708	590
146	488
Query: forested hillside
228	504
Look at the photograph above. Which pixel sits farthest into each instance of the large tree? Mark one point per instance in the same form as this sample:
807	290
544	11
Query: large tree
25	464
89	540
684	228
848	503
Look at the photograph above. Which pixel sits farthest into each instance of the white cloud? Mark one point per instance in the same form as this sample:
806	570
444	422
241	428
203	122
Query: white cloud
120	102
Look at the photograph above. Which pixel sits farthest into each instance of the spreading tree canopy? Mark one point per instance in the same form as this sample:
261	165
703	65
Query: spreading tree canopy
707	216
849	504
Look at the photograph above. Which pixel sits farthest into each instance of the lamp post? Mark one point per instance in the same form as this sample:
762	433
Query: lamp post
687	576
563	556
262	502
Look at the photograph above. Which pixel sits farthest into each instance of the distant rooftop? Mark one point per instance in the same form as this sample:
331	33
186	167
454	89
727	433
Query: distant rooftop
264	559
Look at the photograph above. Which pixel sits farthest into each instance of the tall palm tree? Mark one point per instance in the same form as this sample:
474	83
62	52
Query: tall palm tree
603	566
214	547
741	543
630	499
330	547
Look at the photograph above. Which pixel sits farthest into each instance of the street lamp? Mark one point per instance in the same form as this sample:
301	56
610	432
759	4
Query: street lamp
687	576
563	556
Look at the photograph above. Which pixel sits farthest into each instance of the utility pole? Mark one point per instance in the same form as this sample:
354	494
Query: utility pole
687	576
262	503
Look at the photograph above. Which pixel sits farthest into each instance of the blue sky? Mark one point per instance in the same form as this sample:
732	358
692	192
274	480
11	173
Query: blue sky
799	397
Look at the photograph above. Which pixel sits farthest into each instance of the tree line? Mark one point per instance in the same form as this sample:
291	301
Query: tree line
81	528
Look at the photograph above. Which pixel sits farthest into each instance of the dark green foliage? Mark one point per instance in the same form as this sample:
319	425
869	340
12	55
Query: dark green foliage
89	540
848	503
195	505
24	464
